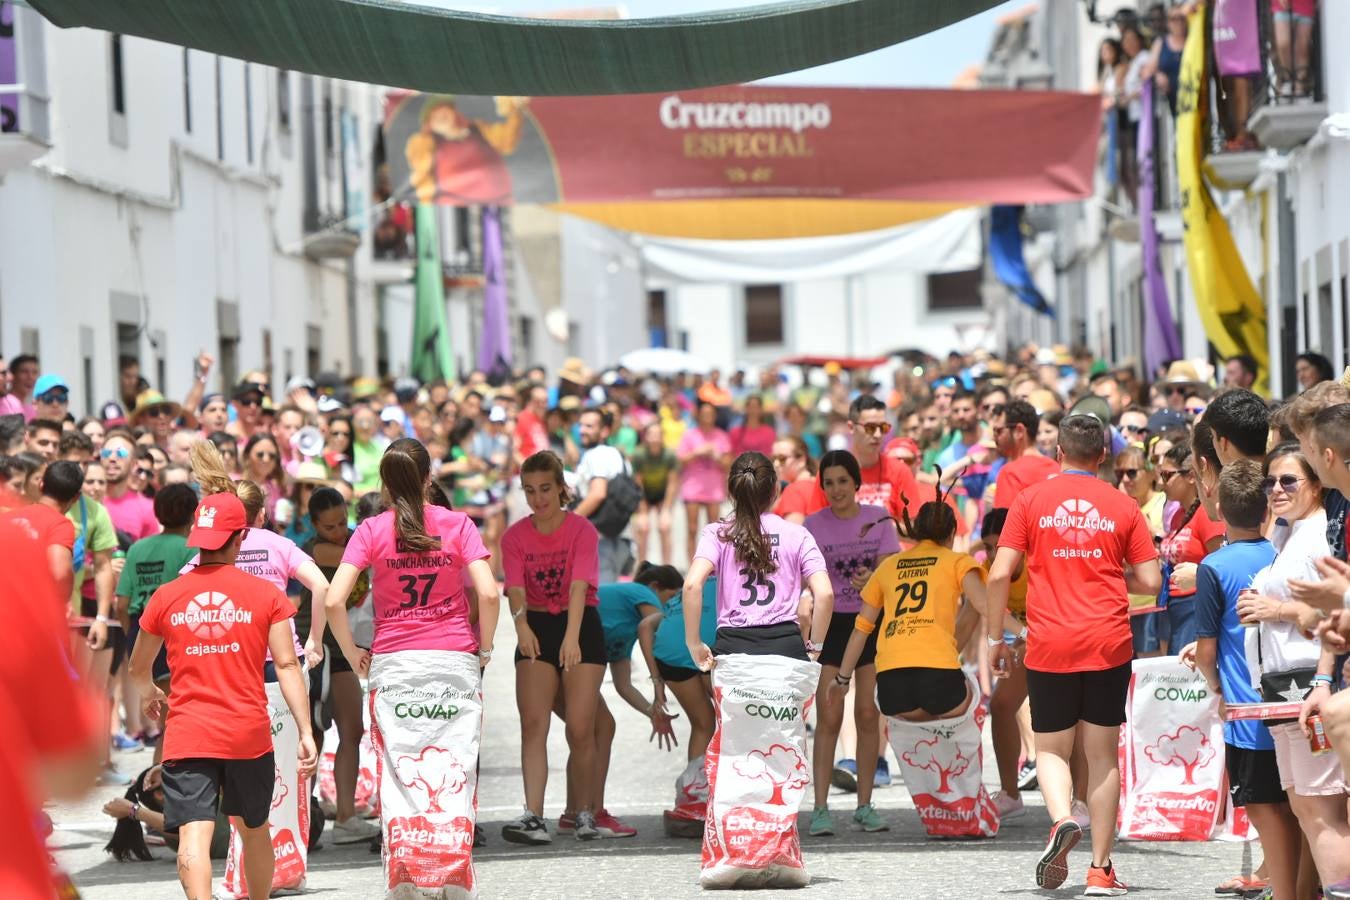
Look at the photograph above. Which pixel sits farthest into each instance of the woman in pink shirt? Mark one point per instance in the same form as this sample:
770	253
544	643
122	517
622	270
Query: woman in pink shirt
552	565
262	465
754	433
703	452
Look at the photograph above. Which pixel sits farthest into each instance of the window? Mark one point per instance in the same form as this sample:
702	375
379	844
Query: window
313	351
284	100
248	114
267	352
955	290
119	89
187	91
329	141
764	314
656	318
220	115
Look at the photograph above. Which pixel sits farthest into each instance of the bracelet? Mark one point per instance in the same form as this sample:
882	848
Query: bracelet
135	808
485	654
520	612
812	647
994	641
1321	679
103	620
842	680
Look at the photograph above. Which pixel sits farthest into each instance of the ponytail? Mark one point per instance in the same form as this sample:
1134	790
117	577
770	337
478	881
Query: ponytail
751	485
935	522
208	467
404	470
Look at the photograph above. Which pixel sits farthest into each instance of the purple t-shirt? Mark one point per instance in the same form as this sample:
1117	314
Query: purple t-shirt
847	551
134	514
745	600
271	557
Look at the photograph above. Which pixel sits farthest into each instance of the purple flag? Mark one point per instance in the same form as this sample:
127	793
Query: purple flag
1237	39
1162	343
494	348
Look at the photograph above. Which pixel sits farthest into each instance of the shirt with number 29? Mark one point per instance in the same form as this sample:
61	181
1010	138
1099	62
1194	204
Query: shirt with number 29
918	592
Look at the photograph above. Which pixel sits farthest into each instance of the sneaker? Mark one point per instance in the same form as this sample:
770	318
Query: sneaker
883	776
845	775
567	823
528	829
1009	807
1103	882
821	826
610	827
1079	813
125	743
586	829
1338	891
868	819
1026	777
1052	868
353	831
110	777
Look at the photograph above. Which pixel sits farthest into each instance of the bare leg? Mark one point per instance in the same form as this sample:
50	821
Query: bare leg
1003	728
1336	721
642	526
259	861
868	722
1078	766
536	683
345	689
1053	750
1281	841
1323	820
604	745
692	695
829	716
663	528
1101	746
582	689
194	859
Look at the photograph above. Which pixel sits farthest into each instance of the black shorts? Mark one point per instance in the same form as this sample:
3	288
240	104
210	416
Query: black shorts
241	787
780	639
836	640
675	674
1253	776
935	691
117	638
550	629
1060	700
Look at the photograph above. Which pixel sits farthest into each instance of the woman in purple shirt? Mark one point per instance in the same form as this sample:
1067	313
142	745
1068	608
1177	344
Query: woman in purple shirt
853	539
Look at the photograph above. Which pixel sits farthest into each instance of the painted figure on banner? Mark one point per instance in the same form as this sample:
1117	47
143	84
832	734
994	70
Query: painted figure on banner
457	160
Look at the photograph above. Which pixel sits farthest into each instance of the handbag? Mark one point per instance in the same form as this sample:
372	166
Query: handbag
1291	686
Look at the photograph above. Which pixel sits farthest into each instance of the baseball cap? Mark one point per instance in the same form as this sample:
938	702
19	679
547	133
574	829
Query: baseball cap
215	397
498	414
113	415
329	404
391	414
50	383
406	389
299	381
217	517
1164	419
249	387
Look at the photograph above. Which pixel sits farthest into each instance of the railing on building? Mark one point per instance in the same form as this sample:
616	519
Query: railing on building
1288	99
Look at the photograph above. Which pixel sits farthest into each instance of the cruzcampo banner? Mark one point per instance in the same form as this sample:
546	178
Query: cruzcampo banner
632	160
1233	312
431	358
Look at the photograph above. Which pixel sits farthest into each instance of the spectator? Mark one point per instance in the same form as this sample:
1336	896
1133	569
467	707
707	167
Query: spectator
1165	58
51	398
44	438
1047	433
1240	371
262	466
1130	101
129	380
754	432
600	464
1294	20
132	512
248	402
1240	423
1311	368
9	404
657	472
23	372
213	413
93	429
704	454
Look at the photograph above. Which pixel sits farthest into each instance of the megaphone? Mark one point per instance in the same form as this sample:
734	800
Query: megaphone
308	441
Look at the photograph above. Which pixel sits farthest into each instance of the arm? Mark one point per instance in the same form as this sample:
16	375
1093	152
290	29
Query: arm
104	584
489	605
672	489
61	563
858	639
647	642
596	492
201	371
822	592
973	610
1207	662
699	570
503	136
335	609
570	653
525	638
1144	578
142	661
622	673
294	690
1006	561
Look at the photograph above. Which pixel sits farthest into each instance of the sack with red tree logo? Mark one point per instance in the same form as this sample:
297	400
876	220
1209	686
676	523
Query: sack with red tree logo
758	770
367	797
691	802
1174	755
426	717
943	763
289	818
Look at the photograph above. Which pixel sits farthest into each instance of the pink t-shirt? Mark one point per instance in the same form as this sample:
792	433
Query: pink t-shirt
419	595
703	480
745	600
271	557
760	437
545	565
133	513
10	406
847	551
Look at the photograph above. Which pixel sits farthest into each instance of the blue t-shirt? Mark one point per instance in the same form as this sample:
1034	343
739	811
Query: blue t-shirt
669	646
1219	578
619	615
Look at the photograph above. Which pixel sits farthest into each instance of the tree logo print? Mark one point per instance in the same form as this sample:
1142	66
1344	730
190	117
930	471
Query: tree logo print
780	765
924	755
433	773
279	789
1189	748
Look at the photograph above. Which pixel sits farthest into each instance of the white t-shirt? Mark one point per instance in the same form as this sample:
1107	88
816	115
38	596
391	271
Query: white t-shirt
1282	647
601	461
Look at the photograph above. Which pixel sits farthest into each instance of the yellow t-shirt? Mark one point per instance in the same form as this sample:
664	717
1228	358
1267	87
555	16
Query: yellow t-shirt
918	592
1017	591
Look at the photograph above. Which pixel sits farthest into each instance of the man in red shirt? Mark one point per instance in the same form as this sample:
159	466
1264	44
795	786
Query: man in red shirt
1087	546
46	522
531	432
887	482
1015	434
218	623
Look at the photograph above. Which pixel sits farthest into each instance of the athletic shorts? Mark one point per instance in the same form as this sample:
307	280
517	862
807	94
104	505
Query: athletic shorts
1302	10
935	691
675	674
194	787
1060	700
550	630
779	639
117	638
836	640
1253	776
1307	774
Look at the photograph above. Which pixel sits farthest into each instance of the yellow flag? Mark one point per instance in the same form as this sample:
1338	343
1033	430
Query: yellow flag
1233	312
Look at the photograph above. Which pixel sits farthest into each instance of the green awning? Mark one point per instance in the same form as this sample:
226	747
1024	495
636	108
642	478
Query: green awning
445	51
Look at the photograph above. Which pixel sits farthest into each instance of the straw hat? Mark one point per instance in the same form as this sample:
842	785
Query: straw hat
575	371
1182	372
146	400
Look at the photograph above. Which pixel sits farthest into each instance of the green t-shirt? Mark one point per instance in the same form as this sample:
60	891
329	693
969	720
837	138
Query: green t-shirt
92	523
151	563
366	461
625	438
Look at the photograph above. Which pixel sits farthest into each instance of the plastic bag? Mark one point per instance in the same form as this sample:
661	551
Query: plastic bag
943	764
691	801
367	793
289	818
426	711
758	769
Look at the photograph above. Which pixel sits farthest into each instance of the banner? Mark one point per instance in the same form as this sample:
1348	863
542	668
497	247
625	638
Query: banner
431	332
744	143
1232	311
494	348
1162	340
1237	38
1008	261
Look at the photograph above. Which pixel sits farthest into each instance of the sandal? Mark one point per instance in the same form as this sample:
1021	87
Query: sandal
1242	886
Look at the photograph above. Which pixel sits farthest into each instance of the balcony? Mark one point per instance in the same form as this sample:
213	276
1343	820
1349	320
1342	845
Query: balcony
25	130
331	239
1289	100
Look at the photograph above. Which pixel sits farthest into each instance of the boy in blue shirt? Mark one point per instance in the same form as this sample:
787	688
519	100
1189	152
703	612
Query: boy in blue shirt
1220	655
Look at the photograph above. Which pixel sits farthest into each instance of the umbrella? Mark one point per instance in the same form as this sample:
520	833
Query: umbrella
664	361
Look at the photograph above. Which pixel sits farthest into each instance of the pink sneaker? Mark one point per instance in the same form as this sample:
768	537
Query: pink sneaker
611	827
567	822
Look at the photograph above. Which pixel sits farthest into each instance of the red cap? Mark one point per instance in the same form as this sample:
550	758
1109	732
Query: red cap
217	517
908	443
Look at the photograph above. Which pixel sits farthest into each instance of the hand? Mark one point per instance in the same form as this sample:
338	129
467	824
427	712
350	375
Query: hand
118	808
120	562
360	662
703	657
124	619
308	756
484	655
313	653
662	730
1000	661
98	635
1183	578
1254	607
304	401
154	705
203	363
1334	631
836	691
569	654
1187	656
1312	705
663	518
1329	593
859	579
1308	619
526	642
154	777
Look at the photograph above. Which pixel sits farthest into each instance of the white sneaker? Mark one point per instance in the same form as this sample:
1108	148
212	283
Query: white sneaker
1009	807
1079	812
354	831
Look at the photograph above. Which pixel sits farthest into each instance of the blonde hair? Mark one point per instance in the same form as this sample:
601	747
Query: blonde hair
208	467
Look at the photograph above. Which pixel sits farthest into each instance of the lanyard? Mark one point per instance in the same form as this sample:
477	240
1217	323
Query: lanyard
1080	472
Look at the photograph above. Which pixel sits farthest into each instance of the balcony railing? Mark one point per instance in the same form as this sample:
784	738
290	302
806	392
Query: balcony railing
1288	98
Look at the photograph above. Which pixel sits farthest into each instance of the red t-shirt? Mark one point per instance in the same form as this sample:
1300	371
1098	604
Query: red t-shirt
531	433
886	483
1187	544
1078	534
1020	474
214	621
804	497
45	525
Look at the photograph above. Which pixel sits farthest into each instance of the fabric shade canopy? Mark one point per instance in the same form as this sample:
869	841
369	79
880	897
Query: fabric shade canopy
429	48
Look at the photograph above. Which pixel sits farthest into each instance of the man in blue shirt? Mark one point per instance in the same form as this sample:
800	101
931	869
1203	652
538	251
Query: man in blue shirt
1220	655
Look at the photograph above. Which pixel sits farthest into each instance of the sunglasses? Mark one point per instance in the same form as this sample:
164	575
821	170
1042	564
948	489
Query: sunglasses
1195	410
249	401
118	452
158	411
1135	429
54	397
1287	483
263	454
145	473
340	432
1172	389
874	429
1165	475
1124	474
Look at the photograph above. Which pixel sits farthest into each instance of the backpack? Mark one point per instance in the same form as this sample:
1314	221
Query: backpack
621	501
